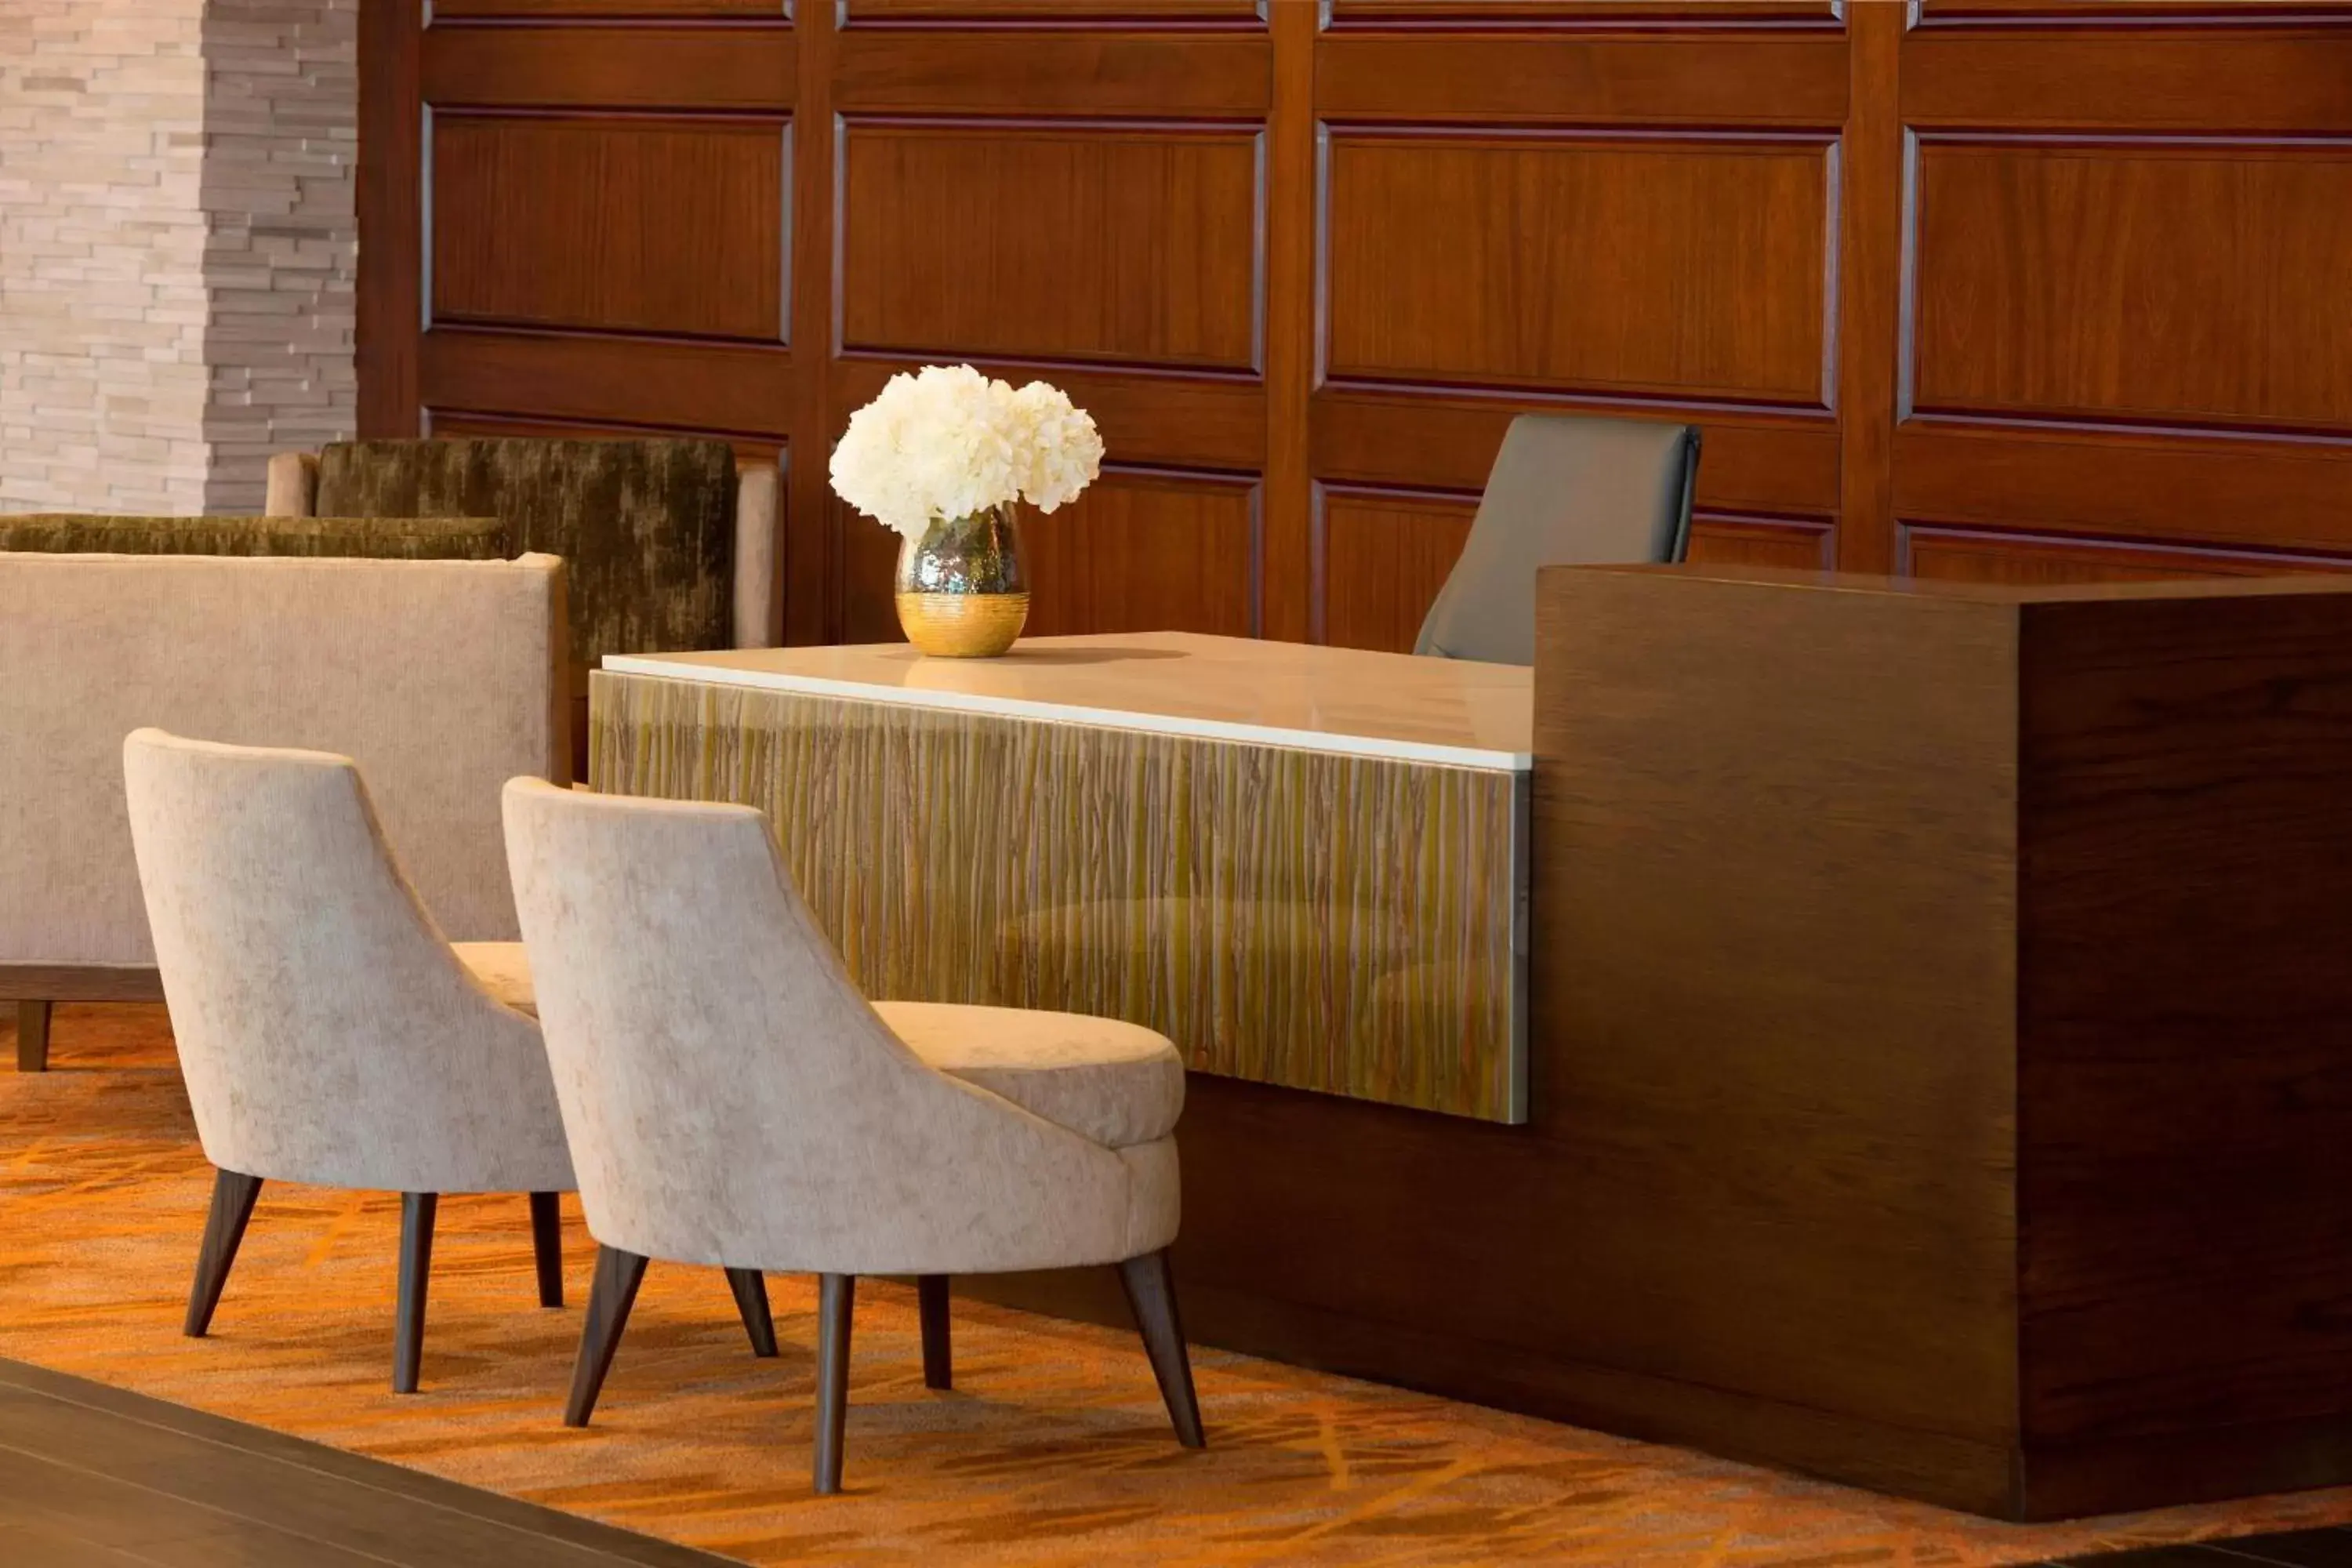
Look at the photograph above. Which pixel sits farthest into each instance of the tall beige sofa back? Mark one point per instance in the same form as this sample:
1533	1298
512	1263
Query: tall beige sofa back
442	679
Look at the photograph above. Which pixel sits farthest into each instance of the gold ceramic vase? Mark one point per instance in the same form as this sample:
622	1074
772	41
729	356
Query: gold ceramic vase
962	593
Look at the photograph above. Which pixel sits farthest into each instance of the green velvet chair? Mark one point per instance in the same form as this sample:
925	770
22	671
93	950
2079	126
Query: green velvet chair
413	538
668	549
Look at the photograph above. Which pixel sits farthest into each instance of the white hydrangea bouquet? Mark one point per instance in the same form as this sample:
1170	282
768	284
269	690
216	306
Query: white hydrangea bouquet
941	457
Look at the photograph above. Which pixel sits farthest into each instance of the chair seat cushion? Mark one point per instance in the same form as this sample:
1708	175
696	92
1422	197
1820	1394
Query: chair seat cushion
504	970
1114	1083
1118	1084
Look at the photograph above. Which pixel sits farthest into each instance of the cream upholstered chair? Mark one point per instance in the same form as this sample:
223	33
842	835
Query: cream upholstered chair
329	1036
731	1098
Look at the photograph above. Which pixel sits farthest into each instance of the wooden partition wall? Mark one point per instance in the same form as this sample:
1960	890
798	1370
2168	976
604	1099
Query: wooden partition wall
1989	289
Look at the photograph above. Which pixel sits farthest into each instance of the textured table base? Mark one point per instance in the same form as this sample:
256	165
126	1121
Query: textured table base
1335	923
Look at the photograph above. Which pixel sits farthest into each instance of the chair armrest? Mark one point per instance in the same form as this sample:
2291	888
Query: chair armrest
758	555
293	488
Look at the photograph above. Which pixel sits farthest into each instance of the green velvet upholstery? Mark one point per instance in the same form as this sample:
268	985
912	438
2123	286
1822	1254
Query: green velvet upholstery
646	528
405	539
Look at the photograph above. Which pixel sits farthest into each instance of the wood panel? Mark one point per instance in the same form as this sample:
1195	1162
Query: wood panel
1796	544
1107	12
2059	281
465	421
1101	243
1480	260
452	10
1023	71
1147	552
684	386
1382	556
1695	80
1467	14
656	226
608	68
2219	79
1982	555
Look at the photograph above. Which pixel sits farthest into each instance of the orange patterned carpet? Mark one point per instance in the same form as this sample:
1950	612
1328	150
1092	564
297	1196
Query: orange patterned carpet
1053	1451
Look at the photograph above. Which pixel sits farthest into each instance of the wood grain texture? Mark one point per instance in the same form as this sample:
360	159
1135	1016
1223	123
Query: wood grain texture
1796	544
652	226
1691	269
2060	281
1096	244
1800	1014
1384	555
1985	555
1696	79
1342	256
738	67
2184	1011
1024	72
1334	924
1144	551
1109	13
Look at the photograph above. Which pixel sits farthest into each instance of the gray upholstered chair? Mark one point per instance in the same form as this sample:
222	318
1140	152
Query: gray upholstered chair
731	1098
1580	491
328	1035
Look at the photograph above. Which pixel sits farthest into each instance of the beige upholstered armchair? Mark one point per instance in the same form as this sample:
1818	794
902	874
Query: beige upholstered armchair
731	1098
328	1034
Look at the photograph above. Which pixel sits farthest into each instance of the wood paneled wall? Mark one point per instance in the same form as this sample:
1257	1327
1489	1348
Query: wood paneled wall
1986	289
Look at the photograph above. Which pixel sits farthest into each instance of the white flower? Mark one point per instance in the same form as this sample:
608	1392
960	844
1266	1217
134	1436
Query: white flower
1061	451
948	442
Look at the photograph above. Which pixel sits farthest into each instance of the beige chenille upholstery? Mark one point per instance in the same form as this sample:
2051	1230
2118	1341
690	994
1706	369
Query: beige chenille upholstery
731	1098
328	1034
441	678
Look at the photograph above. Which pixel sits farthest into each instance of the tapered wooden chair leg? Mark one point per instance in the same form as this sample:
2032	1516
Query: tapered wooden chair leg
612	1291
32	1037
1151	1293
547	1246
233	1197
835	1294
416	1214
938	1354
751	1288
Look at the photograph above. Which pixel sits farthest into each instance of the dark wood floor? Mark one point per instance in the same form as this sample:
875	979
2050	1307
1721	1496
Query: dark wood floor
94	1478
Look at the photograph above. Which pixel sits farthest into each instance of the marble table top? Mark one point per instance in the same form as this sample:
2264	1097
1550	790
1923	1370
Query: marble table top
1179	683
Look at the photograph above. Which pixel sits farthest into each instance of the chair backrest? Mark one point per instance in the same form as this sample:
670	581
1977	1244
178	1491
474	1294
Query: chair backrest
326	1033
730	1097
443	677
648	527
413	538
1574	492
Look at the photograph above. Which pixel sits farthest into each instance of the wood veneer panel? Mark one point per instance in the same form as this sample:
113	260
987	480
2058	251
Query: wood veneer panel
2268	494
1103	243
728	67
1823	1058
553	10
1648	14
2062	281
1110	12
2185	1012
1393	437
1176	421
1482	260
1694	80
1089	869
1987	555
1792	543
1143	551
2233	81
658	225
1383	556
686	387
1021	71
